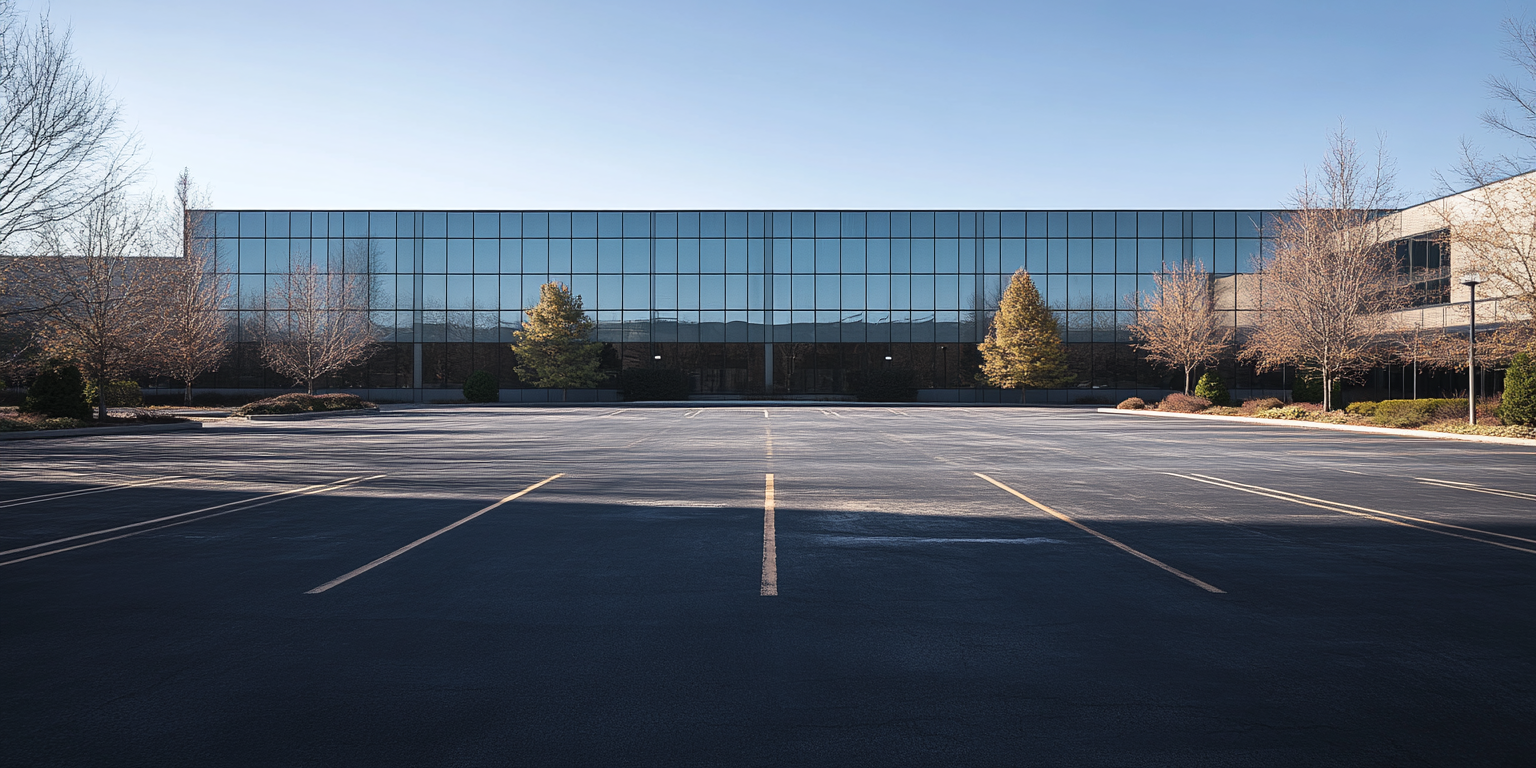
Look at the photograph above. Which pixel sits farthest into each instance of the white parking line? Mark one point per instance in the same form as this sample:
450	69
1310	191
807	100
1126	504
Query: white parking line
1123	547
1453	485
770	583
1366	512
87	491
376	563
239	506
898	413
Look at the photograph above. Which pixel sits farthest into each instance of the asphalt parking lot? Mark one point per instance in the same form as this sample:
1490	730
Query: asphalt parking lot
781	586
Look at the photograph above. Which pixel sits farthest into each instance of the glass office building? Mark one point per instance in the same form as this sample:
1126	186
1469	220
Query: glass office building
745	302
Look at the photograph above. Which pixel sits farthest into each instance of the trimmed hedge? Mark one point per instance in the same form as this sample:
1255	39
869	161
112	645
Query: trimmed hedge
57	392
298	402
1132	404
1182	403
887	385
120	394
653	384
1413	413
482	387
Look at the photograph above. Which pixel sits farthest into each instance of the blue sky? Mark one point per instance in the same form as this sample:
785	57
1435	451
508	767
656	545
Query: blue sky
785	104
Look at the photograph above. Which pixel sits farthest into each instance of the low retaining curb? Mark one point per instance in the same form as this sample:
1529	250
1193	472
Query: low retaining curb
1423	433
307	415
140	429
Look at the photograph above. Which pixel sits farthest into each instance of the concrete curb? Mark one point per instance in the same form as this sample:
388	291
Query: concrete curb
720	404
1422	433
307	415
142	429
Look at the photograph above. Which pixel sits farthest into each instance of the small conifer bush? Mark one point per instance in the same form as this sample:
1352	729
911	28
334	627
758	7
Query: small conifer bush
1132	404
482	387
1211	388
57	392
1519	405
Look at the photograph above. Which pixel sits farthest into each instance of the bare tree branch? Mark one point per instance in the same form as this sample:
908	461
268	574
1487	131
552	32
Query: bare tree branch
316	323
1179	326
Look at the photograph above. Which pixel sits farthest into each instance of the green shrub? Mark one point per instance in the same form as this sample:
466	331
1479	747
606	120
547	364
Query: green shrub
653	384
1366	408
1308	388
482	387
1519	404
1408	414
887	385
298	402
58	391
1211	388
120	394
1132	404
1179	402
1291	412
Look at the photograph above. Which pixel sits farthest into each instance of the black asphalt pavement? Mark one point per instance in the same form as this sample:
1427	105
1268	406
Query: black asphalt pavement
955	586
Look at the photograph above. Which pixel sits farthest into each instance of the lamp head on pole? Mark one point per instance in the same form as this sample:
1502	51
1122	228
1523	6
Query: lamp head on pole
1472	279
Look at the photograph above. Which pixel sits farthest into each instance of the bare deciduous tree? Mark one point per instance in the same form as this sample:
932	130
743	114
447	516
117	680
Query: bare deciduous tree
1326	289
62	144
101	288
194	338
1520	51
316	323
1179	326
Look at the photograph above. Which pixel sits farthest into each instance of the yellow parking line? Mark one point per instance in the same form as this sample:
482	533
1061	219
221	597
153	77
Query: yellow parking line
376	563
770	584
1086	529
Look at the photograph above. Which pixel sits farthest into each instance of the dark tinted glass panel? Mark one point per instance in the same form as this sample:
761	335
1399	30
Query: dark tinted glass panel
853	256
1013	256
535	225
1079	224
781	224
736	256
1125	255
487	256
755	224
277	225
712	224
460	255
1173	224
637	256
1079	255
1247	224
559	256
946	255
877	224
487	225
559	224
610	224
852	225
535	255
1056	225
922	224
947	224
1104	256
511	225
666	225
1125	224
922	255
687	255
688	224
827	256
511	256
1013	223
1149	224
434	256
901	224
253	225
610	256
637	225
712	255
878	256
1204	224
228	224
1226	223
459	225
1103	223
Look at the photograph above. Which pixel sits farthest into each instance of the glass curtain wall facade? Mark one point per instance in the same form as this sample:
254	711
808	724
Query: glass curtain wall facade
743	301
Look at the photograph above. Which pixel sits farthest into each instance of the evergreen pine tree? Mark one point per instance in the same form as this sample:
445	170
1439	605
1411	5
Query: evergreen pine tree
1518	406
1212	389
553	347
1023	345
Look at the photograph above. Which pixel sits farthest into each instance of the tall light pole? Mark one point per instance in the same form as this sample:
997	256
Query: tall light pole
1471	281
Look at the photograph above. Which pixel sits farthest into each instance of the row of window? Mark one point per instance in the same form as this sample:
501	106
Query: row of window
739	292
738	256
385	224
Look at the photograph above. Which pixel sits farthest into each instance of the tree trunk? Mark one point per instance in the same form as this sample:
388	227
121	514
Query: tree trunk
1327	392
101	400
189	394
309	386
1186	380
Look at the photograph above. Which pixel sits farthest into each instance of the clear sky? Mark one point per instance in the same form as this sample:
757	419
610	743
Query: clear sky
885	105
